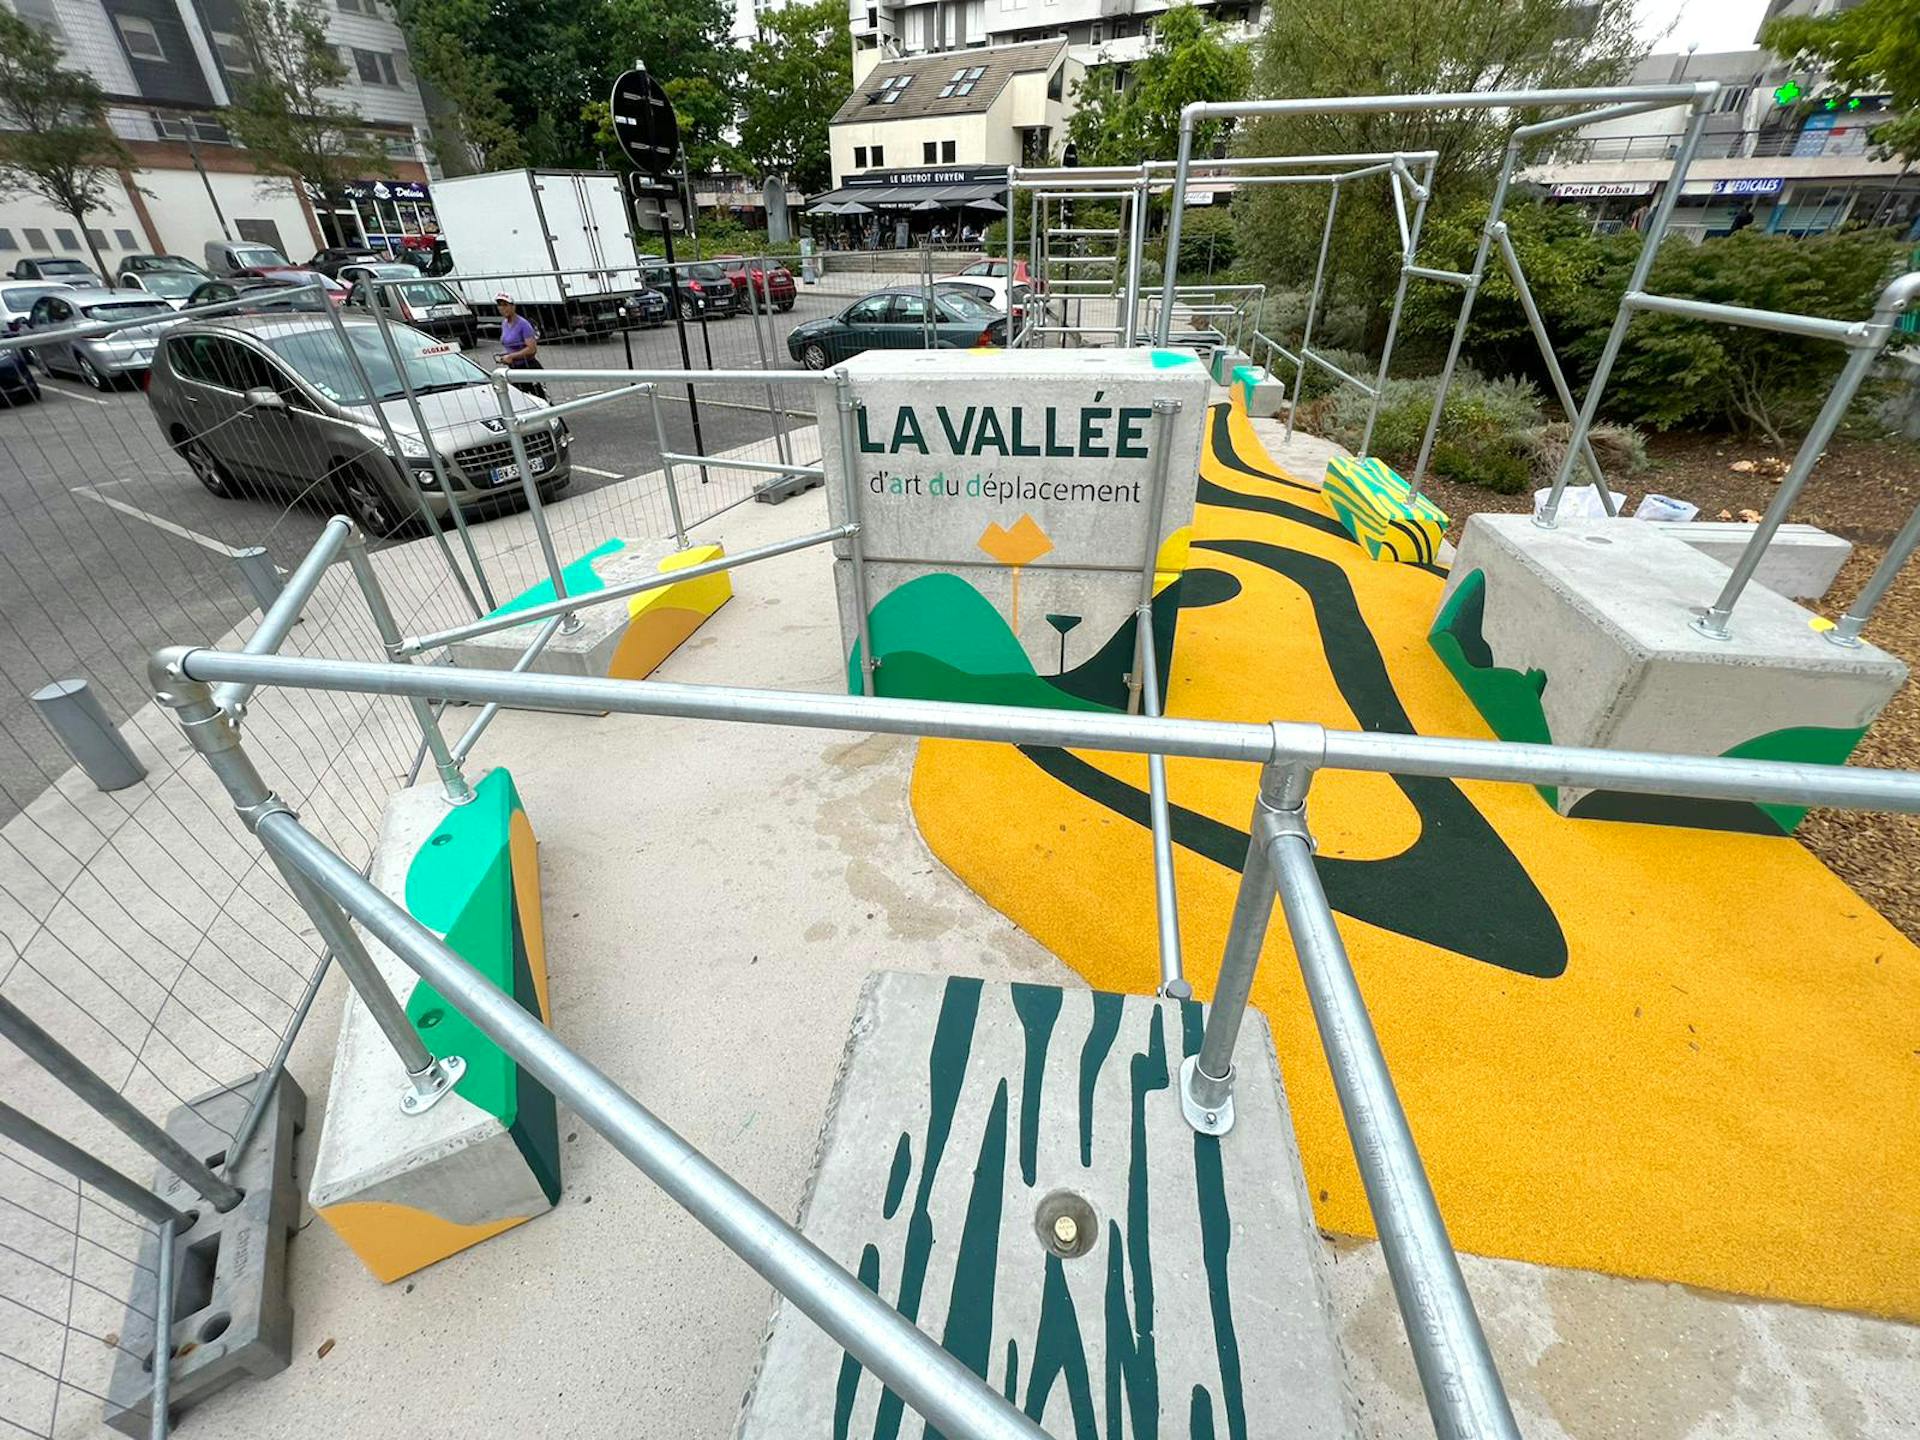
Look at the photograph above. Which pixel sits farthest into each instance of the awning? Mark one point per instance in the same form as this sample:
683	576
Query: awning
909	197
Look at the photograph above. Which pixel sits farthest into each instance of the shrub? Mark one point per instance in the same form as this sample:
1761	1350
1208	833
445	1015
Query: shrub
1483	432
1620	449
1316	382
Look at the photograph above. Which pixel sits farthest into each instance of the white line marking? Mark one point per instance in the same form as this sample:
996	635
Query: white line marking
205	542
603	474
47	387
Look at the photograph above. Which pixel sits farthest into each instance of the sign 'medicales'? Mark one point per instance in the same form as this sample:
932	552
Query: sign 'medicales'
1008	504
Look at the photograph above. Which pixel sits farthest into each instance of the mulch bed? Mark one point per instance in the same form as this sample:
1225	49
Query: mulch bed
1863	490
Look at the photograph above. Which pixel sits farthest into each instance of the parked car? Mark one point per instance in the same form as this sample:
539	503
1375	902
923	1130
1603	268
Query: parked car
772	283
992	268
54	267
993	292
243	257
336	290
896	320
689	294
18	384
173	286
333	259
146	264
412	299
274	403
17	300
646	307
261	290
100	360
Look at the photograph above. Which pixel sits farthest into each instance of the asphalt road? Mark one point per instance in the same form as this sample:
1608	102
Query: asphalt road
110	547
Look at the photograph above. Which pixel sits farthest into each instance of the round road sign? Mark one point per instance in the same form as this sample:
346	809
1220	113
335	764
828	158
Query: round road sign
644	122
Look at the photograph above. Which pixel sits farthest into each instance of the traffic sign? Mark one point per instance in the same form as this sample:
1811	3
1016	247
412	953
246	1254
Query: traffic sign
644	123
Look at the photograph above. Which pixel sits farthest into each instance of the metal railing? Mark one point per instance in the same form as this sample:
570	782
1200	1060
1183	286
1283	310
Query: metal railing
1768	144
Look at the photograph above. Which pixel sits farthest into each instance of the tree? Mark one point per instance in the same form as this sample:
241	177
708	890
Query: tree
799	71
1191	59
281	113
474	127
1874	46
54	140
1385	47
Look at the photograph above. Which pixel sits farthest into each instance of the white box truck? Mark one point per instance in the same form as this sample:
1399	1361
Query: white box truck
535	223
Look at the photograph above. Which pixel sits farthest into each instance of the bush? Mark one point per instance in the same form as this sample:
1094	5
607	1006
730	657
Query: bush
1483	427
1316	382
1208	246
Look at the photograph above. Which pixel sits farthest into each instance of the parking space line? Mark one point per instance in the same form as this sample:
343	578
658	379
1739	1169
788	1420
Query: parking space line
47	387
205	542
590	470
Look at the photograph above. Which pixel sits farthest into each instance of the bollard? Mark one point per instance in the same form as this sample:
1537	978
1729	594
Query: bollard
260	573
80	725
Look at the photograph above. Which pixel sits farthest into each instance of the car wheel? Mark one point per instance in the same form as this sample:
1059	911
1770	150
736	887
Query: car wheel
784	306
814	356
469	336
366	500
207	470
33	361
90	373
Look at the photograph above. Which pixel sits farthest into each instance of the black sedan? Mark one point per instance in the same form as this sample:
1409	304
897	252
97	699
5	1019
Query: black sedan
897	320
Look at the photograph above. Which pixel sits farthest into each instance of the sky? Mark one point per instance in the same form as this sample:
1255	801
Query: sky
1711	24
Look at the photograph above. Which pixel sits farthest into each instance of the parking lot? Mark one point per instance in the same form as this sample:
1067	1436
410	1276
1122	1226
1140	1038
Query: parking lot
111	545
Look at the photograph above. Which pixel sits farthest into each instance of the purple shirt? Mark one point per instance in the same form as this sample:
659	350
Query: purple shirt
514	335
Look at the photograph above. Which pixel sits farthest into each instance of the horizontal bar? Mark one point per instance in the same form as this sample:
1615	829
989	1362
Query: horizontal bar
571	604
1643	772
1218	289
1325	364
1423	272
547	631
278	622
534	419
1097	234
1814	327
1083	195
678	377
1053	260
1251	161
1075	330
900	1356
27	339
770	467
1591	117
30	1134
1687	94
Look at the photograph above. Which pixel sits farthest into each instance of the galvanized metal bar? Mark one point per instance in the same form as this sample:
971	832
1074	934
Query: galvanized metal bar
1136	243
848	405
1332	369
529	487
1452	100
274	627
541	639
433	640
1811	327
755	306
1410	236
1847	631
655	377
1251	162
666	469
27	339
1706	777
1457	1373
533	419
160	1397
770	467
1177	204
71	1071
1449	277
1313	303
1166	902
30	1134
1540	128
939	1387
268	1078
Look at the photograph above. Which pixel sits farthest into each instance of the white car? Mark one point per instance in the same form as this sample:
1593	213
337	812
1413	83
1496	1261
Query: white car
991	290
172	286
16	301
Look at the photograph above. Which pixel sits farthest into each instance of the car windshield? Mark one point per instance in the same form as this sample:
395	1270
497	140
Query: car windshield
390	271
706	271
425	292
126	309
259	257
64	267
318	358
173	284
21	297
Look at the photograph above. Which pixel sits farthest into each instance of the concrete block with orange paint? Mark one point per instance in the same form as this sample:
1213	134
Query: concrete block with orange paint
407	1190
622	639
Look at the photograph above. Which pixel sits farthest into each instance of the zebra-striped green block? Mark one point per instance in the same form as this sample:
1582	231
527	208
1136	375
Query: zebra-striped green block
1380	511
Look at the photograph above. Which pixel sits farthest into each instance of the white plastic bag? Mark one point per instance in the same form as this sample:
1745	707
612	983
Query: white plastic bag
1579	502
1664	507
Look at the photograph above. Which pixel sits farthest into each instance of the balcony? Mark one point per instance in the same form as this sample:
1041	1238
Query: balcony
1725	145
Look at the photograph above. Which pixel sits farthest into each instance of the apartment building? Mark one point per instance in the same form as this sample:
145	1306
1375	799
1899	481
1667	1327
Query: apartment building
169	68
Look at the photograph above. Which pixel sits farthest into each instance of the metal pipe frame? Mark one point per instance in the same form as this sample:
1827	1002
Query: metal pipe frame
1166	900
1847	631
159	1421
529	487
1776	782
942	1389
274	627
770	467
1562	391
664	377
558	408
71	1071
433	640
1313	296
30	1134
1334	370
847	403
1811	327
540	641
1410	243
27	339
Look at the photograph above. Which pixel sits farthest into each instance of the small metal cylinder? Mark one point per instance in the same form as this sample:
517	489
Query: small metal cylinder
261	574
73	713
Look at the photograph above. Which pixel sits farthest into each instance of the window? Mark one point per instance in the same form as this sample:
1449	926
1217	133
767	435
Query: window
98	238
909	309
68	240
1057	83
963	81
879	156
873	18
125	237
1119	79
890	90
140	38
1098	33
36	239
6	240
946	152
859	157
375	67
929	152
871	311
235	56
190	127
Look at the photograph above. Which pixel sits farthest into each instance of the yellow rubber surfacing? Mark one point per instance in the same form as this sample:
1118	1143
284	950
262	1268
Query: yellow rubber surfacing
1719	1089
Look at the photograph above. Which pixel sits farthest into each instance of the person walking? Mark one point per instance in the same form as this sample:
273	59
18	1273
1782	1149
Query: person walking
519	341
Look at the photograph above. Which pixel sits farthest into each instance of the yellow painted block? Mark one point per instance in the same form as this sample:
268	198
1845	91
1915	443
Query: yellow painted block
394	1240
659	621
1381	511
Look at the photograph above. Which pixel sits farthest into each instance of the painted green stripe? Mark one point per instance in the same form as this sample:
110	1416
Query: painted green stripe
968	1335
1200	1415
1132	1365
580	577
1093	1055
1059	1351
1216	1240
897	1175
849	1387
1038	1006
1010	1380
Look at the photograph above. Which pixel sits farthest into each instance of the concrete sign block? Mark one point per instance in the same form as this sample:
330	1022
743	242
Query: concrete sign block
1262	395
406	1190
1007	510
1579	635
1009	1165
1800	563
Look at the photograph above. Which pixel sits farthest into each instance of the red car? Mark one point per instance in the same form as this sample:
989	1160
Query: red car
995	267
772	285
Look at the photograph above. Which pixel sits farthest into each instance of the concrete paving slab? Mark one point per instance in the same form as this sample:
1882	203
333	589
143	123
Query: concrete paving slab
996	1157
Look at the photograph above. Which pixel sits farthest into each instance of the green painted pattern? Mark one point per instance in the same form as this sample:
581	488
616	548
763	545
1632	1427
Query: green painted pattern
1167	359
968	1333
580	577
897	1175
1247	377
1508	700
1038	1006
461	884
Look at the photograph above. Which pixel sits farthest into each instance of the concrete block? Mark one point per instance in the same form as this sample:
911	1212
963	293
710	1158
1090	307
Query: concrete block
1261	395
1579	635
232	1316
1381	511
622	639
1800	563
406	1190
1005	509
1186	1297
1224	360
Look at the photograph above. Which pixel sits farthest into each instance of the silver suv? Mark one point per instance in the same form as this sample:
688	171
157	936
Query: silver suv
275	403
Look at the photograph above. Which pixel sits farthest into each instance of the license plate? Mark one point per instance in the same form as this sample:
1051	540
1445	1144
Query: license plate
503	473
